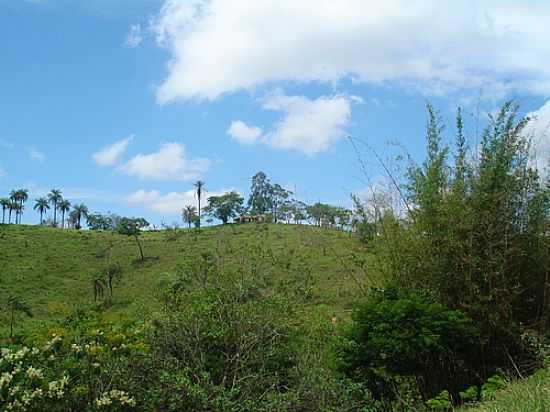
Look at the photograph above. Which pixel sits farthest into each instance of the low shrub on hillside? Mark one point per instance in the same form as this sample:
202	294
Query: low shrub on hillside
398	334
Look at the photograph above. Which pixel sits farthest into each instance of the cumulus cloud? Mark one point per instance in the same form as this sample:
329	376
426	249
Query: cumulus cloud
499	46
309	126
134	36
110	154
243	133
539	132
169	163
168	203
36	154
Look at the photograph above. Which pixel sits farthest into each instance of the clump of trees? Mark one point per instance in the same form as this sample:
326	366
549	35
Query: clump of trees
473	238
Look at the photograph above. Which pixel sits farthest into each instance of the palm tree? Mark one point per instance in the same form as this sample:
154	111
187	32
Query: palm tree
79	211
4	202
189	214
12	205
23	197
55	197
14	197
41	205
199	185
63	206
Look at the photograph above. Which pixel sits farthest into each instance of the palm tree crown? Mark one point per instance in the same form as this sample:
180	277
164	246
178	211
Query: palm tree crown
55	197
41	205
79	211
63	206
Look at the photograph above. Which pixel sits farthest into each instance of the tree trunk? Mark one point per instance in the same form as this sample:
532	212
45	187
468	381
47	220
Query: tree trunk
3	215
55	214
140	249
9	217
41	217
62	219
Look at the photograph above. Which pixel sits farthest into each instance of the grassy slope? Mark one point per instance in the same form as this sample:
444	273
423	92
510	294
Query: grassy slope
51	269
531	394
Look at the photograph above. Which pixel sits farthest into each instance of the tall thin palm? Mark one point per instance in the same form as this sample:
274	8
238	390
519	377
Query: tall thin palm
54	198
80	211
64	206
41	206
12	206
23	197
199	186
4	202
14	198
189	214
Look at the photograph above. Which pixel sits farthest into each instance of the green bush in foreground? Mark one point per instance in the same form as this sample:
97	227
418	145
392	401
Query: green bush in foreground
398	335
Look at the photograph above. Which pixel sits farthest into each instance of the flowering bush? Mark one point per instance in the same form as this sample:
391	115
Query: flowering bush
80	372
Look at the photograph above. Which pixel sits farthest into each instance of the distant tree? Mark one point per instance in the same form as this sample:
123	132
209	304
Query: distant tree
97	221
63	206
199	186
14	306
21	196
225	207
277	195
112	272
12	205
133	227
5	203
189	215
55	197
80	211
259	201
41	206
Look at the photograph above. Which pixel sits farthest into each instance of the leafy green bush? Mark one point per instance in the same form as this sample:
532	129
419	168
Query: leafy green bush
399	334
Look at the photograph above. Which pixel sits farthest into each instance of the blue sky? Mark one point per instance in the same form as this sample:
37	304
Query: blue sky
124	104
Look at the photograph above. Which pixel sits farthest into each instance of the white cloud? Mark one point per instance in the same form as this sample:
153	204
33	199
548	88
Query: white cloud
169	203
110	154
309	126
243	133
220	46
134	36
36	154
539	131
169	163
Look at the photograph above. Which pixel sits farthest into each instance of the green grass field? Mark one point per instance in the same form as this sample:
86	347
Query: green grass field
529	395
51	270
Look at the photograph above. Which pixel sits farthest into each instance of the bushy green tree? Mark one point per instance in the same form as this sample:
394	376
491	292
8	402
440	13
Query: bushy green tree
225	207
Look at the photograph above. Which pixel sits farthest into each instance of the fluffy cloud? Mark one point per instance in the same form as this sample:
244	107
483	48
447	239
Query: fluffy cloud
309	126
499	46
243	133
539	131
169	163
134	36
110	154
169	203
36	154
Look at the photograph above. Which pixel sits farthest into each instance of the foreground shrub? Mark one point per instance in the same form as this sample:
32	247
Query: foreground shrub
398	334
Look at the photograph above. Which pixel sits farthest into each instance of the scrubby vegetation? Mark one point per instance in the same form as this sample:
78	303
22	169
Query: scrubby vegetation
428	303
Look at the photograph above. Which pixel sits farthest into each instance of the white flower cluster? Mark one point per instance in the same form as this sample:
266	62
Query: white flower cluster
115	395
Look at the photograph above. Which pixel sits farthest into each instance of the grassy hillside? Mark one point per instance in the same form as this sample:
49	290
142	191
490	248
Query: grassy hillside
51	269
531	394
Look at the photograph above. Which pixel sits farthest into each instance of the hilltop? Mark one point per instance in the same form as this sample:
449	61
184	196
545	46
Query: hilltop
52	269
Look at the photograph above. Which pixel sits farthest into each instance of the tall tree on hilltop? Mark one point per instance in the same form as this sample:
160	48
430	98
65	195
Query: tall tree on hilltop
55	197
199	186
259	201
80	211
189	214
4	202
41	205
64	206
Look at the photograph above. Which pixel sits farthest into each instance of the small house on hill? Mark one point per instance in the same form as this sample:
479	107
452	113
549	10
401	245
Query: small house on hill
251	219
